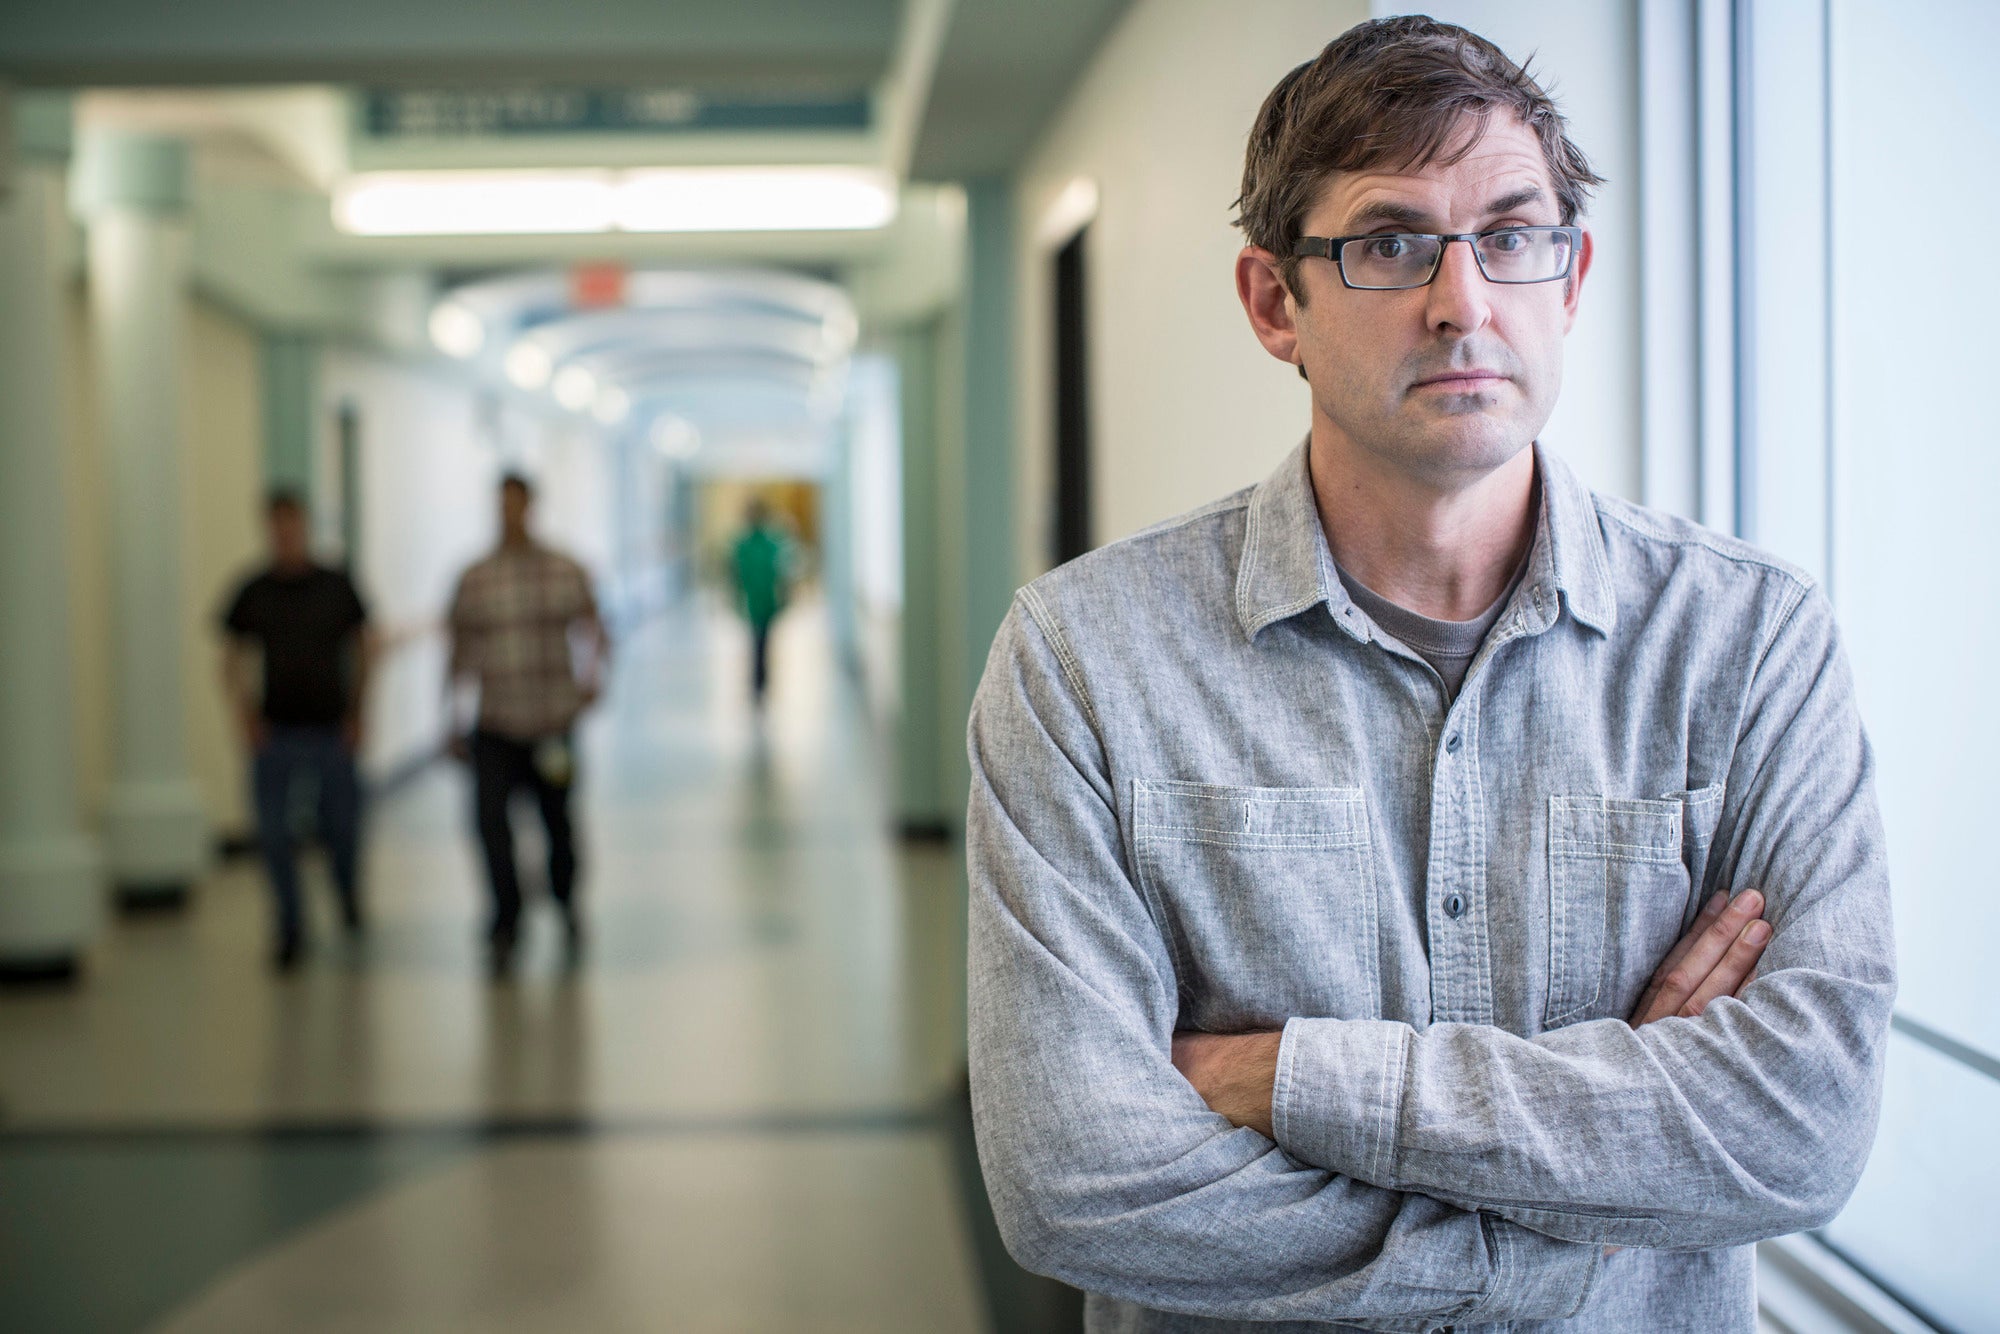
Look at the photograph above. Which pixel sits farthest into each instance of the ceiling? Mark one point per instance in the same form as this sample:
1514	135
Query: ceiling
1002	65
711	42
281	102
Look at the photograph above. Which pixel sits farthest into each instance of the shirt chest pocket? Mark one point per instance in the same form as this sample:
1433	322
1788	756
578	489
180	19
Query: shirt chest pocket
1266	896
1620	888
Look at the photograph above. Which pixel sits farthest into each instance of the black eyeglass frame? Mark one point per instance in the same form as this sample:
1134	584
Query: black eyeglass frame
1328	247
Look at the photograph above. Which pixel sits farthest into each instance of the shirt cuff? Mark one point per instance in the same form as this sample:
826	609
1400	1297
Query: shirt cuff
1338	1094
1536	1277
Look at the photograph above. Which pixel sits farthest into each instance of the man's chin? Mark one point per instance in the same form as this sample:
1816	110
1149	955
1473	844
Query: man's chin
1462	457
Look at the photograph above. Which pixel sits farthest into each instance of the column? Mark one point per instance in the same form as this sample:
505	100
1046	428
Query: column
50	874
923	811
132	192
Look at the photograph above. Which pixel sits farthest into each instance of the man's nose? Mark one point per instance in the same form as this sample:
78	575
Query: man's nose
1459	295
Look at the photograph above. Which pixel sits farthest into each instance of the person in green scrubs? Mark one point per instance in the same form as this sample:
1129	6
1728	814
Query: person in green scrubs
761	561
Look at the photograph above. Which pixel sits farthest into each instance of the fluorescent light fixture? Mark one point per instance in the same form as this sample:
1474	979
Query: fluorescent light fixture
575	388
755	199
676	437
667	199
613	406
528	365
465	203
456	330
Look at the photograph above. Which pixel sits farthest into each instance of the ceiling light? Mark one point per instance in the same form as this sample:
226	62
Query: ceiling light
462	203
528	365
667	199
755	199
676	437
613	406
575	388
456	330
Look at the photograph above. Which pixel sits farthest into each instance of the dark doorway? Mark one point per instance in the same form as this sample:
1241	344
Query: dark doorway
347	457
1072	397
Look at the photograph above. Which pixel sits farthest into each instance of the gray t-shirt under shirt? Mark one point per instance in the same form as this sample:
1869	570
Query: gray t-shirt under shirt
1448	646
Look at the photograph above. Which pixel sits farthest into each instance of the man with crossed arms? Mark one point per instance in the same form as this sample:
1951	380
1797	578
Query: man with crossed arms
1352	931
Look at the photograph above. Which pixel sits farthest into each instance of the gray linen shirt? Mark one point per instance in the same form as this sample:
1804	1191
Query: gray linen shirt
1208	793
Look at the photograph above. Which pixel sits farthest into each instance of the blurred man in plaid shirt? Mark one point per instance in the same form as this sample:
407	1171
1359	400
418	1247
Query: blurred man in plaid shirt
524	628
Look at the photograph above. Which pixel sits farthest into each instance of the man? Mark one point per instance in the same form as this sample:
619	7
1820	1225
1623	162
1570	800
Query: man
300	716
761	564
524	628
1330	845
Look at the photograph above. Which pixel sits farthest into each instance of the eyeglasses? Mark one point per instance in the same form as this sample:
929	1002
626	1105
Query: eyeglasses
1386	261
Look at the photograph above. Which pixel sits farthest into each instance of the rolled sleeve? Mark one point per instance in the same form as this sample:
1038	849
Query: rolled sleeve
1338	1092
1337	1101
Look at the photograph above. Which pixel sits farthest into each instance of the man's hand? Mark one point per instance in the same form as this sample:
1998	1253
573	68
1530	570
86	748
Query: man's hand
1233	1072
1715	958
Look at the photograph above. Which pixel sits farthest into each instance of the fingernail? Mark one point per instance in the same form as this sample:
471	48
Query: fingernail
1757	932
1717	899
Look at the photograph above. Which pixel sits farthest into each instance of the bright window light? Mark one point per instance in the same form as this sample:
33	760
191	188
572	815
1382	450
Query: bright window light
575	388
528	365
464	203
755	199
456	330
668	199
613	406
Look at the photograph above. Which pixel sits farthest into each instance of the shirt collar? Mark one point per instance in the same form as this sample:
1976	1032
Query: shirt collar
1287	568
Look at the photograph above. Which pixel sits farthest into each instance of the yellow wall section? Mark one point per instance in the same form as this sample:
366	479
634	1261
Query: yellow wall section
221	486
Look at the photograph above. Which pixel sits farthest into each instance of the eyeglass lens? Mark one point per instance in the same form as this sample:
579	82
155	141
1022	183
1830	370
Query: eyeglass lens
1516	255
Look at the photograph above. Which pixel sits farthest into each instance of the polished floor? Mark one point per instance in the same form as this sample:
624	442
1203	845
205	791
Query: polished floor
734	1115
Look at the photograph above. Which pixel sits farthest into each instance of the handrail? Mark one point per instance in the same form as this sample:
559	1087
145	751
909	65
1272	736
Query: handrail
1948	1047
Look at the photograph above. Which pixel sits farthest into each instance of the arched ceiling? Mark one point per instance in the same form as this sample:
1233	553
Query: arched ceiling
705	362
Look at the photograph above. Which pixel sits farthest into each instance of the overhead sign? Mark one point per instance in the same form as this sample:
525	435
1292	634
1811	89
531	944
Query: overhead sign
462	113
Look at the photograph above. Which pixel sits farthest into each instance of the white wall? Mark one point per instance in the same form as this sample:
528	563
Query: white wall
1185	405
875	491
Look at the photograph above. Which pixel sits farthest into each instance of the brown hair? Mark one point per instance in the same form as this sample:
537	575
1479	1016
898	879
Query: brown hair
1391	91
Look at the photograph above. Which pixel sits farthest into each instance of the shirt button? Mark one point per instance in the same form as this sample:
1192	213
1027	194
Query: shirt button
1451	744
1454	906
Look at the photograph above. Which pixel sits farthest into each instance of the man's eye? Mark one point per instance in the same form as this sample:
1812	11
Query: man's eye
1387	247
1508	242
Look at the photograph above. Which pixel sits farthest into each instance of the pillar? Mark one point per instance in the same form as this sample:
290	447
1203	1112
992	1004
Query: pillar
50	873
132	190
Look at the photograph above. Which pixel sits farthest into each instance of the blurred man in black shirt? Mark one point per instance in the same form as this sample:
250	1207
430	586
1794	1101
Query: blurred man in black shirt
311	630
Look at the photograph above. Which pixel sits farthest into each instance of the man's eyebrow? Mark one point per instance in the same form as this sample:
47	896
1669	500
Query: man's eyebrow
1386	212
1389	213
1521	198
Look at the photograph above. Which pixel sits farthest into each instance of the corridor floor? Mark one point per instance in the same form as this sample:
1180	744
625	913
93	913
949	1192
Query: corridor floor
728	1118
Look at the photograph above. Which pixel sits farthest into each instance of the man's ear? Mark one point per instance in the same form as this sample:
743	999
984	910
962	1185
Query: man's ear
1260	285
1573	285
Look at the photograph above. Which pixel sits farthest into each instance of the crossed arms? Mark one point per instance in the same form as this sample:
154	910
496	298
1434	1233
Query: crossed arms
1458	1173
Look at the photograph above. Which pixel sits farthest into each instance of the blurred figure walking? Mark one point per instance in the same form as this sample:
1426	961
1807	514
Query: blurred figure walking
761	562
525	630
300	716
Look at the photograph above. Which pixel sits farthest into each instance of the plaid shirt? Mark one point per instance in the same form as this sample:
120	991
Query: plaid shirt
510	621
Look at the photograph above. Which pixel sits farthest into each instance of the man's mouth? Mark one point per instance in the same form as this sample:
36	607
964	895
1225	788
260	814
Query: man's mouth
1462	381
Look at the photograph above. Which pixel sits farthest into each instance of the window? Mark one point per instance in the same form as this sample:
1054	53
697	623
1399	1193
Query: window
1867	136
